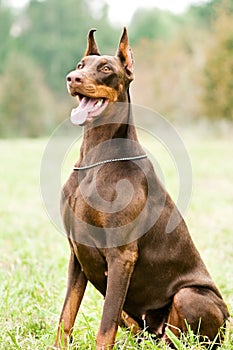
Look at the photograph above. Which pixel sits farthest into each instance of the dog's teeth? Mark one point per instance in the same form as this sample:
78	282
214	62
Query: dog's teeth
99	103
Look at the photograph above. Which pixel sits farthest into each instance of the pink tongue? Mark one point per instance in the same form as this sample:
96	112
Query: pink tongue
79	115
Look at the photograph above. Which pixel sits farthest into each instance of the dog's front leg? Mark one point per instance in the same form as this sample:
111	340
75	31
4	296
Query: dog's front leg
120	262
75	289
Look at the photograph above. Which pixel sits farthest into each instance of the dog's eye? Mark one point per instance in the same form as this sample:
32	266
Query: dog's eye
106	69
80	65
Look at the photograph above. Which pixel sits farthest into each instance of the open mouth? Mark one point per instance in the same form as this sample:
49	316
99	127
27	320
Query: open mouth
87	109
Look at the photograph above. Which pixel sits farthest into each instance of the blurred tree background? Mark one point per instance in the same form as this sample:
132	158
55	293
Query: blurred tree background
183	63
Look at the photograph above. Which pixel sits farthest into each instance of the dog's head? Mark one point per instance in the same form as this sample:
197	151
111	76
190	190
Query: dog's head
99	80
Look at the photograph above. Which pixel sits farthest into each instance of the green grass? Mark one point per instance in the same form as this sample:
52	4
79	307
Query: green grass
34	256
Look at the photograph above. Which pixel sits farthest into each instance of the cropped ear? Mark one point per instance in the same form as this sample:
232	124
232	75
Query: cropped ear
92	48
125	55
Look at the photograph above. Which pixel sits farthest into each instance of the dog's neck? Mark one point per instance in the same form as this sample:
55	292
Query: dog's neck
114	125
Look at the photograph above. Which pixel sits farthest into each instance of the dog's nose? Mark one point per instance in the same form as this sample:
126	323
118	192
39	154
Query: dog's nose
74	78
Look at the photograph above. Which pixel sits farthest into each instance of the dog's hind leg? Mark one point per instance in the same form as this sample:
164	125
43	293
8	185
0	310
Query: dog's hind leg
128	322
201	309
120	263
76	287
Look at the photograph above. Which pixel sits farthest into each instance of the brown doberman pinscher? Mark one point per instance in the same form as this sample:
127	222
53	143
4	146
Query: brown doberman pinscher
116	214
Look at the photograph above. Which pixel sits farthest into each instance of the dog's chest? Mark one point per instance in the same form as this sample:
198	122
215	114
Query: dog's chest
100	197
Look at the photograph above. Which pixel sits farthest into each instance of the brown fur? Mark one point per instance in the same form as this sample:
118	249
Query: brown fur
158	278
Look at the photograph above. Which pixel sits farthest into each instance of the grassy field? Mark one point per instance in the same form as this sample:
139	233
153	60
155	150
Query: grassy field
34	256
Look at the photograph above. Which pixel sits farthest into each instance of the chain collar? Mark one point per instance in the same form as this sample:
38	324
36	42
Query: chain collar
109	161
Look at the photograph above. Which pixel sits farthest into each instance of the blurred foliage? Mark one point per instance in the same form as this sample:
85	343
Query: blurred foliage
183	62
26	100
205	14
171	76
153	24
218	70
6	21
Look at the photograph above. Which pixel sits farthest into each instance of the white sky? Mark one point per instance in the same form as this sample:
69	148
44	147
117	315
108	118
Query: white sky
121	11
